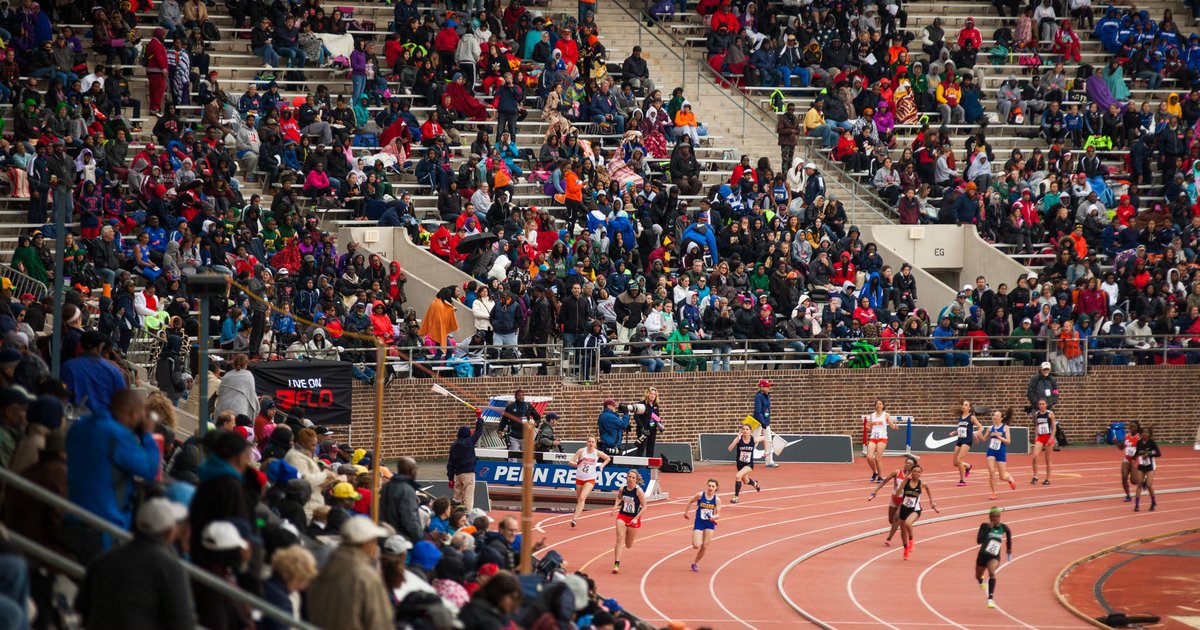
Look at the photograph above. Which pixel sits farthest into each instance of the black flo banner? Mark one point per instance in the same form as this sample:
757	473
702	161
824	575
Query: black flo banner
317	390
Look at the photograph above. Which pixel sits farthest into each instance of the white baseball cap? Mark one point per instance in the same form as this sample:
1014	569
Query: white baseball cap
1045	365
157	515
361	529
395	545
223	536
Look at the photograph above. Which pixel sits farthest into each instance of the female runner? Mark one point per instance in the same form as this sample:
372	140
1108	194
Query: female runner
708	510
879	421
630	503
998	438
1044	426
1129	462
745	443
1147	451
910	507
991	535
588	462
968	424
897	478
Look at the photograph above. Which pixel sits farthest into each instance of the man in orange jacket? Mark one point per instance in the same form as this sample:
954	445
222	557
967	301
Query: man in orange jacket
572	198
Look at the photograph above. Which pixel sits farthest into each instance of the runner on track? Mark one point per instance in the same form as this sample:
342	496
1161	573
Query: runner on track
998	438
628	508
910	507
588	462
897	478
708	510
968	424
1129	461
1044	425
744	442
991	535
879	422
1147	451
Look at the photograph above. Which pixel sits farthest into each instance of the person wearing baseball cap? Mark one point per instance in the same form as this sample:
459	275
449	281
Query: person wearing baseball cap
141	584
341	501
1042	386
349	583
762	413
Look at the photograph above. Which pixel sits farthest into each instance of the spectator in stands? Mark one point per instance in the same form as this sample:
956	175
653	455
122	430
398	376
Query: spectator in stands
815	125
156	69
635	71
398	501
349	592
238	393
141	583
90	377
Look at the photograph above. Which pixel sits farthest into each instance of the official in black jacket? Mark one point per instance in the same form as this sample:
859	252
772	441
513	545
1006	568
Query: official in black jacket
460	467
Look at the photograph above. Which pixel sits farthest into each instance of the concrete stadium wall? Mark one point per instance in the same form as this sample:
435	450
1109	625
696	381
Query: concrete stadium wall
422	424
427	274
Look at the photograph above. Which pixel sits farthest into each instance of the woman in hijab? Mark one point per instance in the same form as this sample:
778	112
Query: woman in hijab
25	259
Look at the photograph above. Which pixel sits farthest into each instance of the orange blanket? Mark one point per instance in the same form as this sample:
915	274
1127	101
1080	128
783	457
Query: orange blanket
439	321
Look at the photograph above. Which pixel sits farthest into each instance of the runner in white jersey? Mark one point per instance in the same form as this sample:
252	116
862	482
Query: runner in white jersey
588	462
879	421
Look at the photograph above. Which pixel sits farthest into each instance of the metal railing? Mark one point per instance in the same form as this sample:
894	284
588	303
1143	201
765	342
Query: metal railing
587	363
197	574
22	283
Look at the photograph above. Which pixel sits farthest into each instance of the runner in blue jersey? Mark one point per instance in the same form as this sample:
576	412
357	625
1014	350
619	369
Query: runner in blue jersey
708	510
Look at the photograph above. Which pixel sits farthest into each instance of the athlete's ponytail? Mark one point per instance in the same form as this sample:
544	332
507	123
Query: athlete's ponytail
1008	416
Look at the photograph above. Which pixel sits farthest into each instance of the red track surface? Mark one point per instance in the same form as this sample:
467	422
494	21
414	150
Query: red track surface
751	570
1121	575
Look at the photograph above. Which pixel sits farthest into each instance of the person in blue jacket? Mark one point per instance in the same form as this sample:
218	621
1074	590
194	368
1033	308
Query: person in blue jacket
1108	28
108	451
762	413
945	338
612	428
702	234
460	467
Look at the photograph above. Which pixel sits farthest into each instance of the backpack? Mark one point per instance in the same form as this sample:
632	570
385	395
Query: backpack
777	102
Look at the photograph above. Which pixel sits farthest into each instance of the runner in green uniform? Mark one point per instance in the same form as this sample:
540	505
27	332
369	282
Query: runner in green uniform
992	535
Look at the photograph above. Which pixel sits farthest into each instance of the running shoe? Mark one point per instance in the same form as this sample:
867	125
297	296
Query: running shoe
695	567
734	499
572	522
912	544
772	465
1046	482
1137	505
982	585
993	497
969	467
887	543
756	488
991	603
1128	498
962	482
906	553
1033	481
1012	483
616	568
1153	505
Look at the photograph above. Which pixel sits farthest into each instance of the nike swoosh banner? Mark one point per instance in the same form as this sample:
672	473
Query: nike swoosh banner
799	449
936	438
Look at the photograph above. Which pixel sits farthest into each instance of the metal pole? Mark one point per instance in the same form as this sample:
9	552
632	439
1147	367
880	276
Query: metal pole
380	374
683	67
202	404
527	499
60	228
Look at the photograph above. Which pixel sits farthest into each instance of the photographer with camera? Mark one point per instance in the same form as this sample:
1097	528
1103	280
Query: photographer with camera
612	424
546	441
646	419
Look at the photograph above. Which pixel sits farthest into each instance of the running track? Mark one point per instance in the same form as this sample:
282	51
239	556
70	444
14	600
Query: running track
811	542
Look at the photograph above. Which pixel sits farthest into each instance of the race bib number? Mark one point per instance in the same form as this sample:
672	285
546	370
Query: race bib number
628	505
744	456
1043	428
1047	392
992	548
962	432
585	468
994	444
1145	461
1130	451
910	502
706	514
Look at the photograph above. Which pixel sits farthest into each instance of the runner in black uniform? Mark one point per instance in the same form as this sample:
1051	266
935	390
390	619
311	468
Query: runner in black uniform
910	507
630	502
1147	450
968	425
991	535
745	443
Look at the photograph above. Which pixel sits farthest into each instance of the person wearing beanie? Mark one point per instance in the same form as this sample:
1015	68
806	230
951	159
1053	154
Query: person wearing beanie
141	584
45	417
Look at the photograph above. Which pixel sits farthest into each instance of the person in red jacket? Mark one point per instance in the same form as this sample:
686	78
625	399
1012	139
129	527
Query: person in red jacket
970	34
725	17
156	70
439	243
